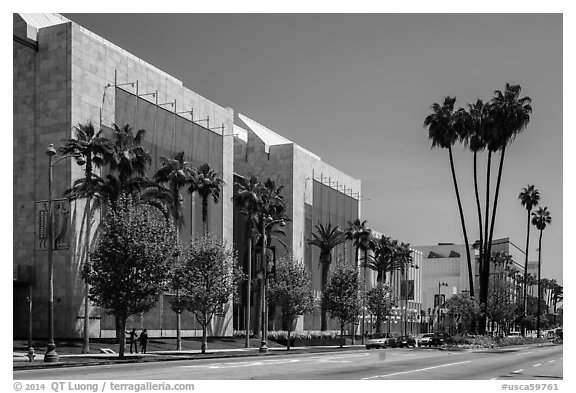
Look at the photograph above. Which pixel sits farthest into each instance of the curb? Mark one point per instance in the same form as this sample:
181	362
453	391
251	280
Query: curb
175	357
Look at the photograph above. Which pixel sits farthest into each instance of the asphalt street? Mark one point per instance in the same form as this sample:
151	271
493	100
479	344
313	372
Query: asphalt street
544	363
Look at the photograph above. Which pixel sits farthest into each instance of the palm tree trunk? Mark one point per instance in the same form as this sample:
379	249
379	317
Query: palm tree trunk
248	290
539	291
86	338
205	214
325	261
479	211
493	219
462	221
486	259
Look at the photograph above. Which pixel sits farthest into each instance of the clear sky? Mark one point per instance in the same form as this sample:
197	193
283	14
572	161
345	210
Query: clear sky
355	89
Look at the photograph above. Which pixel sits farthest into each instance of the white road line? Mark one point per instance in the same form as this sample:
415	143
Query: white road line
550	361
523	353
493	379
536	365
413	371
518	371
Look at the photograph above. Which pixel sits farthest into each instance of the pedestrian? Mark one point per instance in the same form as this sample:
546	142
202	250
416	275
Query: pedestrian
143	341
133	342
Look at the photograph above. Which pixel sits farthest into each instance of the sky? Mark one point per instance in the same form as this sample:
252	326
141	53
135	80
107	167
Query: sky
355	89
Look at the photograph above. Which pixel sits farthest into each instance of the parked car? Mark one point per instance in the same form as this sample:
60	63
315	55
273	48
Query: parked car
423	341
433	339
405	341
381	340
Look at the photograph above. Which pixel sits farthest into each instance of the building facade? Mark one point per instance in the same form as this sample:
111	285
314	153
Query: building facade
65	75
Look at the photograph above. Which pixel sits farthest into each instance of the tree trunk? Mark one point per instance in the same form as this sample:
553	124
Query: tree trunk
288	341
539	291
486	257
86	338
248	290
479	212
341	334
204	338
122	349
325	261
117	324
205	214
462	221
353	327
493	219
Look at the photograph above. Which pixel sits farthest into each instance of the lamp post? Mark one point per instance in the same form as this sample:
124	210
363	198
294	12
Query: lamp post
266	222
51	355
440	285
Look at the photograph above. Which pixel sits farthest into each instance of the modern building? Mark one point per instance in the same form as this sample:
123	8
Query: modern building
314	192
65	75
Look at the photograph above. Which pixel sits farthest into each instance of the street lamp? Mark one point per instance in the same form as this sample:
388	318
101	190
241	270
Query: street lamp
440	285
51	355
266	222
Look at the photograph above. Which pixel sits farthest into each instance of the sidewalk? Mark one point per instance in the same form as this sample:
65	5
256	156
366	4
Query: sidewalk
20	360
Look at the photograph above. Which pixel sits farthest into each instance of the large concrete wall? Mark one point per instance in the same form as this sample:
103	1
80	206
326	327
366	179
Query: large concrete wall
57	87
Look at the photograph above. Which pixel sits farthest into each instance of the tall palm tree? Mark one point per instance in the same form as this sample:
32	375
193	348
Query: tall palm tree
529	198
444	130
96	151
247	197
207	184
540	219
557	296
129	156
509	114
175	173
361	237
325	238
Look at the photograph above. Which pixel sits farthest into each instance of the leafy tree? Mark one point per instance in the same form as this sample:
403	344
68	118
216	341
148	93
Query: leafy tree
464	308
529	198
95	151
379	301
540	219
207	277
443	131
325	238
341	297
131	262
291	292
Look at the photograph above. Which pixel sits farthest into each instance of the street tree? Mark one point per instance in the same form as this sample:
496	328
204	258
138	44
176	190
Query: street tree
92	149
131	263
341	297
325	238
540	219
207	278
379	302
529	197
291	292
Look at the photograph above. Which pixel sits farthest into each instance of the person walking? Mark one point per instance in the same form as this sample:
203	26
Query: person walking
143	341
133	342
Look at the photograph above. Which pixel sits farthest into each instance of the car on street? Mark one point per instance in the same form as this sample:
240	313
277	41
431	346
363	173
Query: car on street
380	340
405	341
432	339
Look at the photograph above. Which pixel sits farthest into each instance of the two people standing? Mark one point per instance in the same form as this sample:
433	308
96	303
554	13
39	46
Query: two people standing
143	340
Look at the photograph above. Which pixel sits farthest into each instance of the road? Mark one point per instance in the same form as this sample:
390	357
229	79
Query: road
384	364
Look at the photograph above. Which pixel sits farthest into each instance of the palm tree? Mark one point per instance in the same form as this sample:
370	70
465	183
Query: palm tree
361	237
95	151
175	173
207	184
557	295
325	238
247	197
529	198
444	129
509	114
540	219
129	156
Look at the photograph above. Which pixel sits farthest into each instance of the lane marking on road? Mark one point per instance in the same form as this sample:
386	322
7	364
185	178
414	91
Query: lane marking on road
518	371
536	365
420	369
523	353
551	361
493	379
